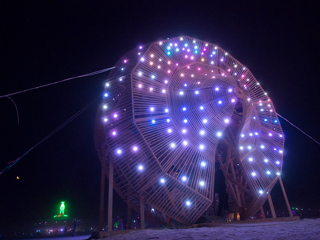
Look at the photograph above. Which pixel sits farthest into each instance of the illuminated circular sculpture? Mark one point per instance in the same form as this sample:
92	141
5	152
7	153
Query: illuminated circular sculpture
173	108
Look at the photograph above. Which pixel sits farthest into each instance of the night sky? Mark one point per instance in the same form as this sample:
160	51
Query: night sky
47	41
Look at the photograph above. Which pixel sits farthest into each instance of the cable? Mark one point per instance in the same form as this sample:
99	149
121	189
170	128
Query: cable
64	80
16	108
299	129
12	163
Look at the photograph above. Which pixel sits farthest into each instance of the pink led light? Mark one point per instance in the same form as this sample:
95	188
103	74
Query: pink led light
125	61
115	115
114	133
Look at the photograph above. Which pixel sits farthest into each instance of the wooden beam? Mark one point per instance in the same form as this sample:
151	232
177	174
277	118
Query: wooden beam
110	195
285	197
102	187
273	212
142	211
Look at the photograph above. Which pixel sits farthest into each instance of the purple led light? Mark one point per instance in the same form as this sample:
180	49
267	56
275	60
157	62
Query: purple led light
119	151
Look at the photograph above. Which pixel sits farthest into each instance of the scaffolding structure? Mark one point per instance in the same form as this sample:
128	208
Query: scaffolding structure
171	110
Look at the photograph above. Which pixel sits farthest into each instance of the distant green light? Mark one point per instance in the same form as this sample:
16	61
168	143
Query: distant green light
62	207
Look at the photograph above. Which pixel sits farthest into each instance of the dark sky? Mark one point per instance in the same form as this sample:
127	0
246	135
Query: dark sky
46	41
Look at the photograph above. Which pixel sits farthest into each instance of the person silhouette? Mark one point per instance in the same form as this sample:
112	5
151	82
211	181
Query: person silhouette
76	221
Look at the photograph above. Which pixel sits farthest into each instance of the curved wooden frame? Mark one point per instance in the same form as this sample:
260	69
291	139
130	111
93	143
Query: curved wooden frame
169	109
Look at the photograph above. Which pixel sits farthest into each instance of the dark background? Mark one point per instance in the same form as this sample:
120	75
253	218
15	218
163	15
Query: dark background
47	41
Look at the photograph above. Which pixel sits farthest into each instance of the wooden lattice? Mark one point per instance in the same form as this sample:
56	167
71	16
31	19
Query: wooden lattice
173	108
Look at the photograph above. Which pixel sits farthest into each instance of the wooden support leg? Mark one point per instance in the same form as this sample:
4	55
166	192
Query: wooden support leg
103	176
285	197
273	212
129	215
142	211
110	196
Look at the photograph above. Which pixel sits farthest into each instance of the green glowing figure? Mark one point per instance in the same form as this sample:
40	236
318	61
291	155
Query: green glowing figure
62	207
